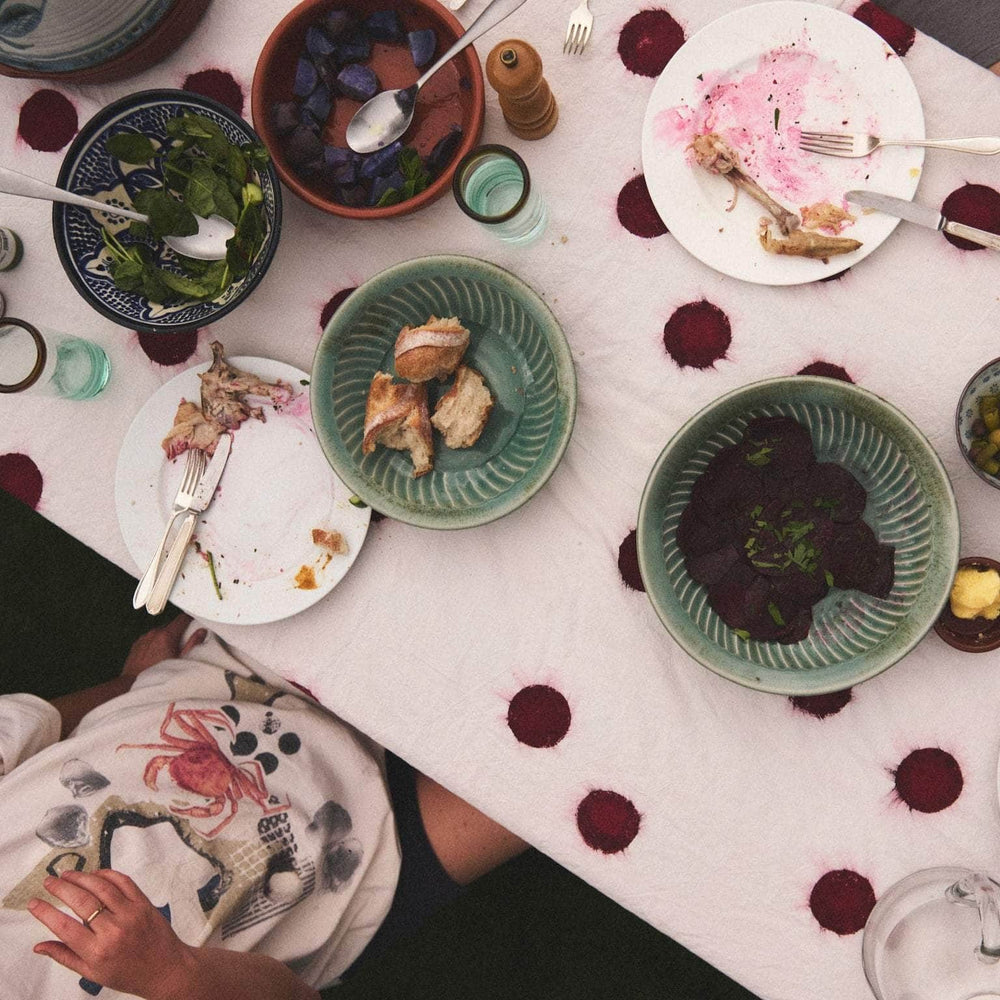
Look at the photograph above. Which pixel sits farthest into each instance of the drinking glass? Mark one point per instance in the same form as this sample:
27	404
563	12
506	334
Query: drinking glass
49	363
492	185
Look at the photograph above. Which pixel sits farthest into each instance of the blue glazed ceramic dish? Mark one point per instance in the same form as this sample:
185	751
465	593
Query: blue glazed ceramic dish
910	506
517	345
89	170
986	382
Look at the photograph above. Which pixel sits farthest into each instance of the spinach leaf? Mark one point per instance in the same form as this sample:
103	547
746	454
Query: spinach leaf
130	147
167	216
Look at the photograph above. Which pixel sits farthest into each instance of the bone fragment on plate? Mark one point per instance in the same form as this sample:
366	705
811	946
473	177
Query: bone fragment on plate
713	153
805	243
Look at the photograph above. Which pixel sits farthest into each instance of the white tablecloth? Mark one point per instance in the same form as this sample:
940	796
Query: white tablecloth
745	801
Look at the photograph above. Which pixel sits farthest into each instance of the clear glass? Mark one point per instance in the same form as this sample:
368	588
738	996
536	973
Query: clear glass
44	362
492	185
935	935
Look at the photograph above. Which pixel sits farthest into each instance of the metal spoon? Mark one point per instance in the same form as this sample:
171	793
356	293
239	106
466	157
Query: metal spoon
209	243
388	115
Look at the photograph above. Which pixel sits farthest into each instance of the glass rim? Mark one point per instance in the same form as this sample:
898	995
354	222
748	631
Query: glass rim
32	377
465	162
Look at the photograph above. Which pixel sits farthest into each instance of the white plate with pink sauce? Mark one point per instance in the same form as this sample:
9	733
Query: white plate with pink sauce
276	488
758	77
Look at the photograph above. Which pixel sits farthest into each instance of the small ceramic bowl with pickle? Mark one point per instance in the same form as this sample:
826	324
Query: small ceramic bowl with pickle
976	589
91	244
977	417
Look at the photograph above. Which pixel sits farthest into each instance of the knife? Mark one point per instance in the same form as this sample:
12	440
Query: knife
923	216
202	498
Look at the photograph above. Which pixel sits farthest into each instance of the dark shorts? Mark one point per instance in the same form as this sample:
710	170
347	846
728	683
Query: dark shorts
424	886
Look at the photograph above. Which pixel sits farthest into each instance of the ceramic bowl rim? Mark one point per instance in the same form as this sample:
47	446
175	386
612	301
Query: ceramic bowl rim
85	136
963	447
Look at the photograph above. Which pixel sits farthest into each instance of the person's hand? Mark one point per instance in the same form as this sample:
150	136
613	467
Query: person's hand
161	644
120	941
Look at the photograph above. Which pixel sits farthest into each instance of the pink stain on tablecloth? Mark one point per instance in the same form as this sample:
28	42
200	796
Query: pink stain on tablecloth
697	335
539	716
648	41
169	349
21	478
827	369
335	302
928	780
821	705
218	85
975	205
608	821
896	33
636	211
48	120
628	562
841	901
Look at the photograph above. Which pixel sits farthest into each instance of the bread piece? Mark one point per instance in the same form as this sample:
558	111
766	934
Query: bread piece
432	350
396	416
462	412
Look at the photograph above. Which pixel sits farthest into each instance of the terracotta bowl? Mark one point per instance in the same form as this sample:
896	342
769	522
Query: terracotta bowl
971	635
454	95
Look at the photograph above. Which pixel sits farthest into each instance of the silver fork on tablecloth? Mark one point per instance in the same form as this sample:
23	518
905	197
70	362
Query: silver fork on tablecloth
194	466
861	144
581	21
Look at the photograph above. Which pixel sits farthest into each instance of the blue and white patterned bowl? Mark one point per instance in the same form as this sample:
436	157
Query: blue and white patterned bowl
910	506
89	170
986	382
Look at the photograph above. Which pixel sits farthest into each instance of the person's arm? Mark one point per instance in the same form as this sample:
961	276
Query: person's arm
122	941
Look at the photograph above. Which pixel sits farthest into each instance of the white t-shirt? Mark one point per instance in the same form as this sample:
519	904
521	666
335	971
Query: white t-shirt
254	819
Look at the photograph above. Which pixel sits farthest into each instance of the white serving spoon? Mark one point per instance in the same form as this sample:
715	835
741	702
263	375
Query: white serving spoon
209	243
387	116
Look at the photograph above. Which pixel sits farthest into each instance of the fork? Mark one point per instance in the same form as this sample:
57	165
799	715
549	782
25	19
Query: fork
578	32
860	144
194	466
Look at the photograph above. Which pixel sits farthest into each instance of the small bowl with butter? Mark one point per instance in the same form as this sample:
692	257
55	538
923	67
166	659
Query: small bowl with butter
971	618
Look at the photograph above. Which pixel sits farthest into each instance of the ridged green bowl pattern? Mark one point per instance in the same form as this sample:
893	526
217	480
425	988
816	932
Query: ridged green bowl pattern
910	506
515	342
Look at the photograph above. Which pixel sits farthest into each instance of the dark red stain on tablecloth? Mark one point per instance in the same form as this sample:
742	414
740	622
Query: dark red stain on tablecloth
648	42
841	901
538	715
898	34
821	705
169	348
827	370
19	476
608	822
928	780
697	335
48	121
628	562
835	277
636	211
975	205
217	84
332	306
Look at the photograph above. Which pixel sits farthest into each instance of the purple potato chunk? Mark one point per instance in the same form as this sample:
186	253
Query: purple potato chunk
319	103
444	151
382	161
710	567
336	22
381	184
423	44
341	165
351	195
355	48
384	26
318	42
284	117
303	146
306	77
308	120
357	82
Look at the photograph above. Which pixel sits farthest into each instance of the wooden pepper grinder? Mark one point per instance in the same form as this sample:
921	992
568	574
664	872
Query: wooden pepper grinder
514	70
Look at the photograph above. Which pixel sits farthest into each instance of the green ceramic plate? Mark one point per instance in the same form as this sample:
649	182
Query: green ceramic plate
515	342
910	506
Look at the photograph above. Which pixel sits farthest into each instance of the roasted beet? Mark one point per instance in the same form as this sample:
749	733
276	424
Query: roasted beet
835	490
777	446
357	82
710	567
423	44
697	535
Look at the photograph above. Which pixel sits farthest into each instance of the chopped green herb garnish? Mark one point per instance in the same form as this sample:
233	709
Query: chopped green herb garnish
415	178
215	579
775	613
742	633
356	501
760	457
828	576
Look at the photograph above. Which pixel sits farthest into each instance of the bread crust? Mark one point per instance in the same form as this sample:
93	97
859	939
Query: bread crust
431	350
396	416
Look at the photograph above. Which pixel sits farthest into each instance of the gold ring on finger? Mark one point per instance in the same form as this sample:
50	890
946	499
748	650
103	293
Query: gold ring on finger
100	909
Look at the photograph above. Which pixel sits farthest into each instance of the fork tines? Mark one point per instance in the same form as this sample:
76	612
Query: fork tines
822	142
578	33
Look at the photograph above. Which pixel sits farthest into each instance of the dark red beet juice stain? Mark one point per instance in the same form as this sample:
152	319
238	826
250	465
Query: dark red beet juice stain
929	780
896	33
332	306
841	901
219	85
169	348
608	822
821	705
648	41
48	121
19	476
636	211
827	370
539	716
697	334
975	205
628	563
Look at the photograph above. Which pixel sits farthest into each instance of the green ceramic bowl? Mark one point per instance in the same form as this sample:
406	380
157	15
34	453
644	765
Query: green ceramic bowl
910	506
515	342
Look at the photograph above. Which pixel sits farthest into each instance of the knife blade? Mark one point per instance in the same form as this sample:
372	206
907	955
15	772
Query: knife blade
167	576
922	215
